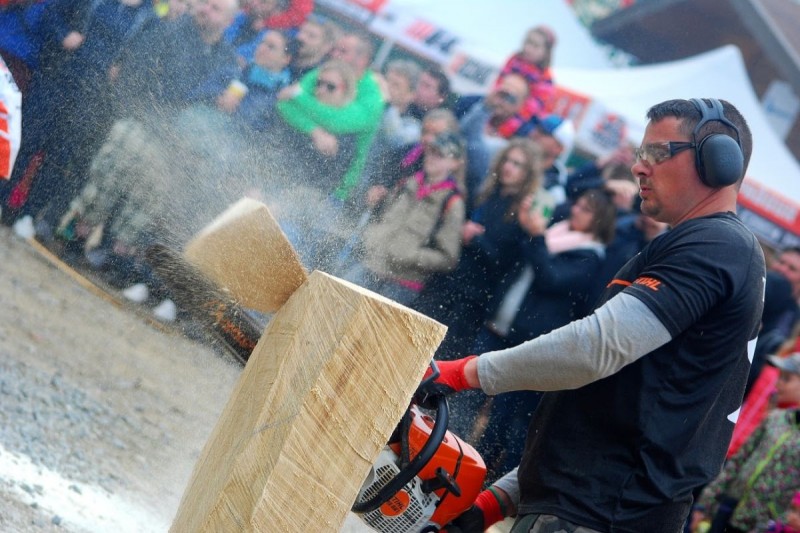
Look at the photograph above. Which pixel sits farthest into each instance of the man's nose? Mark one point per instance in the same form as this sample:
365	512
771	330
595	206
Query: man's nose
640	167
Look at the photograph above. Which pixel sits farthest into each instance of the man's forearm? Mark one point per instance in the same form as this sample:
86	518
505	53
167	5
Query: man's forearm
579	353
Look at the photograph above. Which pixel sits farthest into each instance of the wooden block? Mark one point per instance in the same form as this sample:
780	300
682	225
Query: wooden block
321	394
244	251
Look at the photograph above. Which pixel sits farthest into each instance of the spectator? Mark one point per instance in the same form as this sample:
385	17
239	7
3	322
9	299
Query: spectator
399	130
325	164
491	249
533	63
755	484
248	27
167	69
251	99
378	185
611	171
309	213
552	290
479	127
788	264
781	313
432	92
556	136
418	232
68	100
21	40
361	117
435	122
315	39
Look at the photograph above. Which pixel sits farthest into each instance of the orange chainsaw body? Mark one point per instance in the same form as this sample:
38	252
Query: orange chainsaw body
455	456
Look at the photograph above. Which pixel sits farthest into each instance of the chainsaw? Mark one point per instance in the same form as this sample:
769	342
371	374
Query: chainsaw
423	478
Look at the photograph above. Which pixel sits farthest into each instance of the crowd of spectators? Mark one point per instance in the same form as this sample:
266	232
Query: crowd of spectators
144	120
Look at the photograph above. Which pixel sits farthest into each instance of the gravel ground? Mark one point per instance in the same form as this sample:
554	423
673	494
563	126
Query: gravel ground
103	414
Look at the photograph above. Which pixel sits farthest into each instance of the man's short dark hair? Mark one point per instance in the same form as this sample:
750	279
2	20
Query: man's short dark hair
690	116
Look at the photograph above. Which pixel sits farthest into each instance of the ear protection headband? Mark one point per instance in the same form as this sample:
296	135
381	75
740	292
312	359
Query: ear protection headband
718	158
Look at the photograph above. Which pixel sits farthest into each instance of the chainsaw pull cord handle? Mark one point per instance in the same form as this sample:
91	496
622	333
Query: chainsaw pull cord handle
409	472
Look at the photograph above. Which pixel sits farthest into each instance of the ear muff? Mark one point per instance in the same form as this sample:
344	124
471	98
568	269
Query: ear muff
718	158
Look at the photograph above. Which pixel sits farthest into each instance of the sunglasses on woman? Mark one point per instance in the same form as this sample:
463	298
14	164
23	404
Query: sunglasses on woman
327	85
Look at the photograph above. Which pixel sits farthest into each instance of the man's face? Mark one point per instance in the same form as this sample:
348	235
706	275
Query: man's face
671	189
347	49
551	148
509	96
213	16
311	38
788	264
401	93
427	94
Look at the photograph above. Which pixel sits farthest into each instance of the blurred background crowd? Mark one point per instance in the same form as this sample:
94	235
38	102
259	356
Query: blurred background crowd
142	121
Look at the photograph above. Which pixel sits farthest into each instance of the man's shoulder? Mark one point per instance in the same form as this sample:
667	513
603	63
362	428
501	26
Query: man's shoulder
720	228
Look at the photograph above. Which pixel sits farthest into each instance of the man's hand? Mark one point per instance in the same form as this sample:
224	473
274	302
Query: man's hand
452	378
488	509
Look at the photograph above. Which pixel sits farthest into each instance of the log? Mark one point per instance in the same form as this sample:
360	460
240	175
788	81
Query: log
245	251
318	399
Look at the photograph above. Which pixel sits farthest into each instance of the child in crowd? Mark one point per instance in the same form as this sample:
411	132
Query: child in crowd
792	522
532	62
418	233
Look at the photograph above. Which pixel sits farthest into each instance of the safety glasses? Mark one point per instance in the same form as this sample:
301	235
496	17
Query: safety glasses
655	153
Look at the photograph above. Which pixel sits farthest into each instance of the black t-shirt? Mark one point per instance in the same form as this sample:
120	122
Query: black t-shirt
623	454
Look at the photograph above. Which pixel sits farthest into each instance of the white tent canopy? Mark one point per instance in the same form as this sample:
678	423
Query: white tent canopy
718	74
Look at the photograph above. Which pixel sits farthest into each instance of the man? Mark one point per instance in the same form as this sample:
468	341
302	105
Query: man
432	91
479	127
642	394
399	129
788	264
556	137
315	40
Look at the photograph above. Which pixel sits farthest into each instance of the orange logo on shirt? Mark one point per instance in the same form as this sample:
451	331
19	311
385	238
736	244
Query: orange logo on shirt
650	283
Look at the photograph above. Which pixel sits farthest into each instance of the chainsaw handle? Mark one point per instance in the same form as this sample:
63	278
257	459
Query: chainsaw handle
419	461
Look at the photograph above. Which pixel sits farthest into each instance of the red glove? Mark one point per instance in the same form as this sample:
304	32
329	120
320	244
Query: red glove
484	513
451	379
451	374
